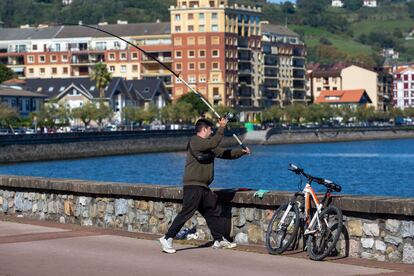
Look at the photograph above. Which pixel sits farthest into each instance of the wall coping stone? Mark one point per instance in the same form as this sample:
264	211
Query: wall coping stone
348	203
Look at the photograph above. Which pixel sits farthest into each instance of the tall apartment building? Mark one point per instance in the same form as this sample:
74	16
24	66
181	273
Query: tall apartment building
403	89
216	48
284	66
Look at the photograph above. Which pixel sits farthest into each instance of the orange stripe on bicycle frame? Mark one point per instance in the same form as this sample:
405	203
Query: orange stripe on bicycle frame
308	195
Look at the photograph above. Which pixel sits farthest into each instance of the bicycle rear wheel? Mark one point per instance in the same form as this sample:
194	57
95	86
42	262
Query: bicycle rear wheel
280	235
322	242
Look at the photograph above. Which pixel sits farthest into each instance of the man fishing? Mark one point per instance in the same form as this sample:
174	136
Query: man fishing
202	149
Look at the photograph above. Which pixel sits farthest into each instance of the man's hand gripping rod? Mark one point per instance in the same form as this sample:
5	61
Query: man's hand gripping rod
166	67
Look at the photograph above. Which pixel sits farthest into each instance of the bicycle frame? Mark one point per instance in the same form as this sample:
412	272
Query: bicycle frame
310	194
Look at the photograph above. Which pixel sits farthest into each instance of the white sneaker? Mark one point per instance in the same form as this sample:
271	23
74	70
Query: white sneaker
223	244
167	245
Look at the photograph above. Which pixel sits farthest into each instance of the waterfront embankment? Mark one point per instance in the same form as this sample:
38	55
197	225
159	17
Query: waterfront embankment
378	228
57	146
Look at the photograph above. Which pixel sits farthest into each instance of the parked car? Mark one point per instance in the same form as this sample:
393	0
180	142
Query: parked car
5	131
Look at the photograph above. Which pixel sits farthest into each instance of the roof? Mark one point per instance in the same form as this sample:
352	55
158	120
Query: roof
147	89
55	86
278	29
136	29
331	70
403	69
18	92
342	96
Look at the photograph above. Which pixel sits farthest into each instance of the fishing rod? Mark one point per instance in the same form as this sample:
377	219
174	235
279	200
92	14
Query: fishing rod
177	75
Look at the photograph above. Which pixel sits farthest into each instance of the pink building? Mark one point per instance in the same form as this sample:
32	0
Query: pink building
403	90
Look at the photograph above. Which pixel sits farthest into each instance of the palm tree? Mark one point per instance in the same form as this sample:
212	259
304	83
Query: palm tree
102	77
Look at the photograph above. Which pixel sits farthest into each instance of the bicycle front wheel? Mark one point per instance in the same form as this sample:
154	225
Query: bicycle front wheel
280	234
322	242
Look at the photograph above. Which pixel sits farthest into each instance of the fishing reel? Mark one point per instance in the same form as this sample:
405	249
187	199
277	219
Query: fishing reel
231	117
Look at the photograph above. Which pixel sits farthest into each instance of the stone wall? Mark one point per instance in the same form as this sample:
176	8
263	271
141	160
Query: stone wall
335	135
380	228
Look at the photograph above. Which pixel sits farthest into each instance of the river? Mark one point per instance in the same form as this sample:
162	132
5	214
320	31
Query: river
383	167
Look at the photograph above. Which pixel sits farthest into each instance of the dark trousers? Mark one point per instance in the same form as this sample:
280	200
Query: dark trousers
198	198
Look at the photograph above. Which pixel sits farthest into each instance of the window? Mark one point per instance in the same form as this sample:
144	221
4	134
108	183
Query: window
111	56
191	53
117	45
203	78
65	70
177	29
42	59
215	53
42	71
201	16
190	16
101	45
202	65
215	91
202	53
178	41
30	59
53	58
191	41
214	16
201	40
51	89
111	68
190	28
178	54
215	78
191	66
178	66
123	56
177	17
123	68
215	65
134	68
31	71
201	28
134	56
214	28
191	79
34	47
215	40
54	71
64	58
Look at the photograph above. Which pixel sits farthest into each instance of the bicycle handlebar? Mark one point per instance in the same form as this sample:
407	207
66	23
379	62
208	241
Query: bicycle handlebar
322	181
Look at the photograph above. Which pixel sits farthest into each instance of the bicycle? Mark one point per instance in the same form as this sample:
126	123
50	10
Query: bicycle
321	231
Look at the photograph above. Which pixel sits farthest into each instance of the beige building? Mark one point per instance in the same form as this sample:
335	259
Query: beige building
349	77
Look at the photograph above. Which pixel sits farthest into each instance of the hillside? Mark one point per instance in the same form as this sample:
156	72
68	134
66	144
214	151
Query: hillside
352	33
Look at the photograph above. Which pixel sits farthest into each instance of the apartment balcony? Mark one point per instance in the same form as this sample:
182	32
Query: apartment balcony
148	60
271	72
271	94
244	92
243	43
244	72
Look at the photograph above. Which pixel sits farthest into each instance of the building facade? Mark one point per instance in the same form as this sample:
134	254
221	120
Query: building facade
23	101
350	77
403	88
217	47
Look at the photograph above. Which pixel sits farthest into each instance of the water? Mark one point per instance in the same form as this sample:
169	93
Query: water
364	168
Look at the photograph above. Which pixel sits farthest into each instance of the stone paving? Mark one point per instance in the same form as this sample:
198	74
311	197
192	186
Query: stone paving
43	248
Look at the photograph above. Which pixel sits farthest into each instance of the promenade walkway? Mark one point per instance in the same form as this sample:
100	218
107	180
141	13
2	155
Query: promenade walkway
43	248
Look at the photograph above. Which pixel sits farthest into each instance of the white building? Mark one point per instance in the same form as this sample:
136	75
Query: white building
370	3
337	3
403	90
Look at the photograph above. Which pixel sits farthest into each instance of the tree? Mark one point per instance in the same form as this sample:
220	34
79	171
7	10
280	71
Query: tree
295	112
102	112
274	114
136	114
314	113
353	5
409	112
181	112
85	113
8	116
195	102
52	114
5	73
102	77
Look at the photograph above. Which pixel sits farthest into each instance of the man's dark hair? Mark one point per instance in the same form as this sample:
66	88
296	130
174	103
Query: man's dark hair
201	123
